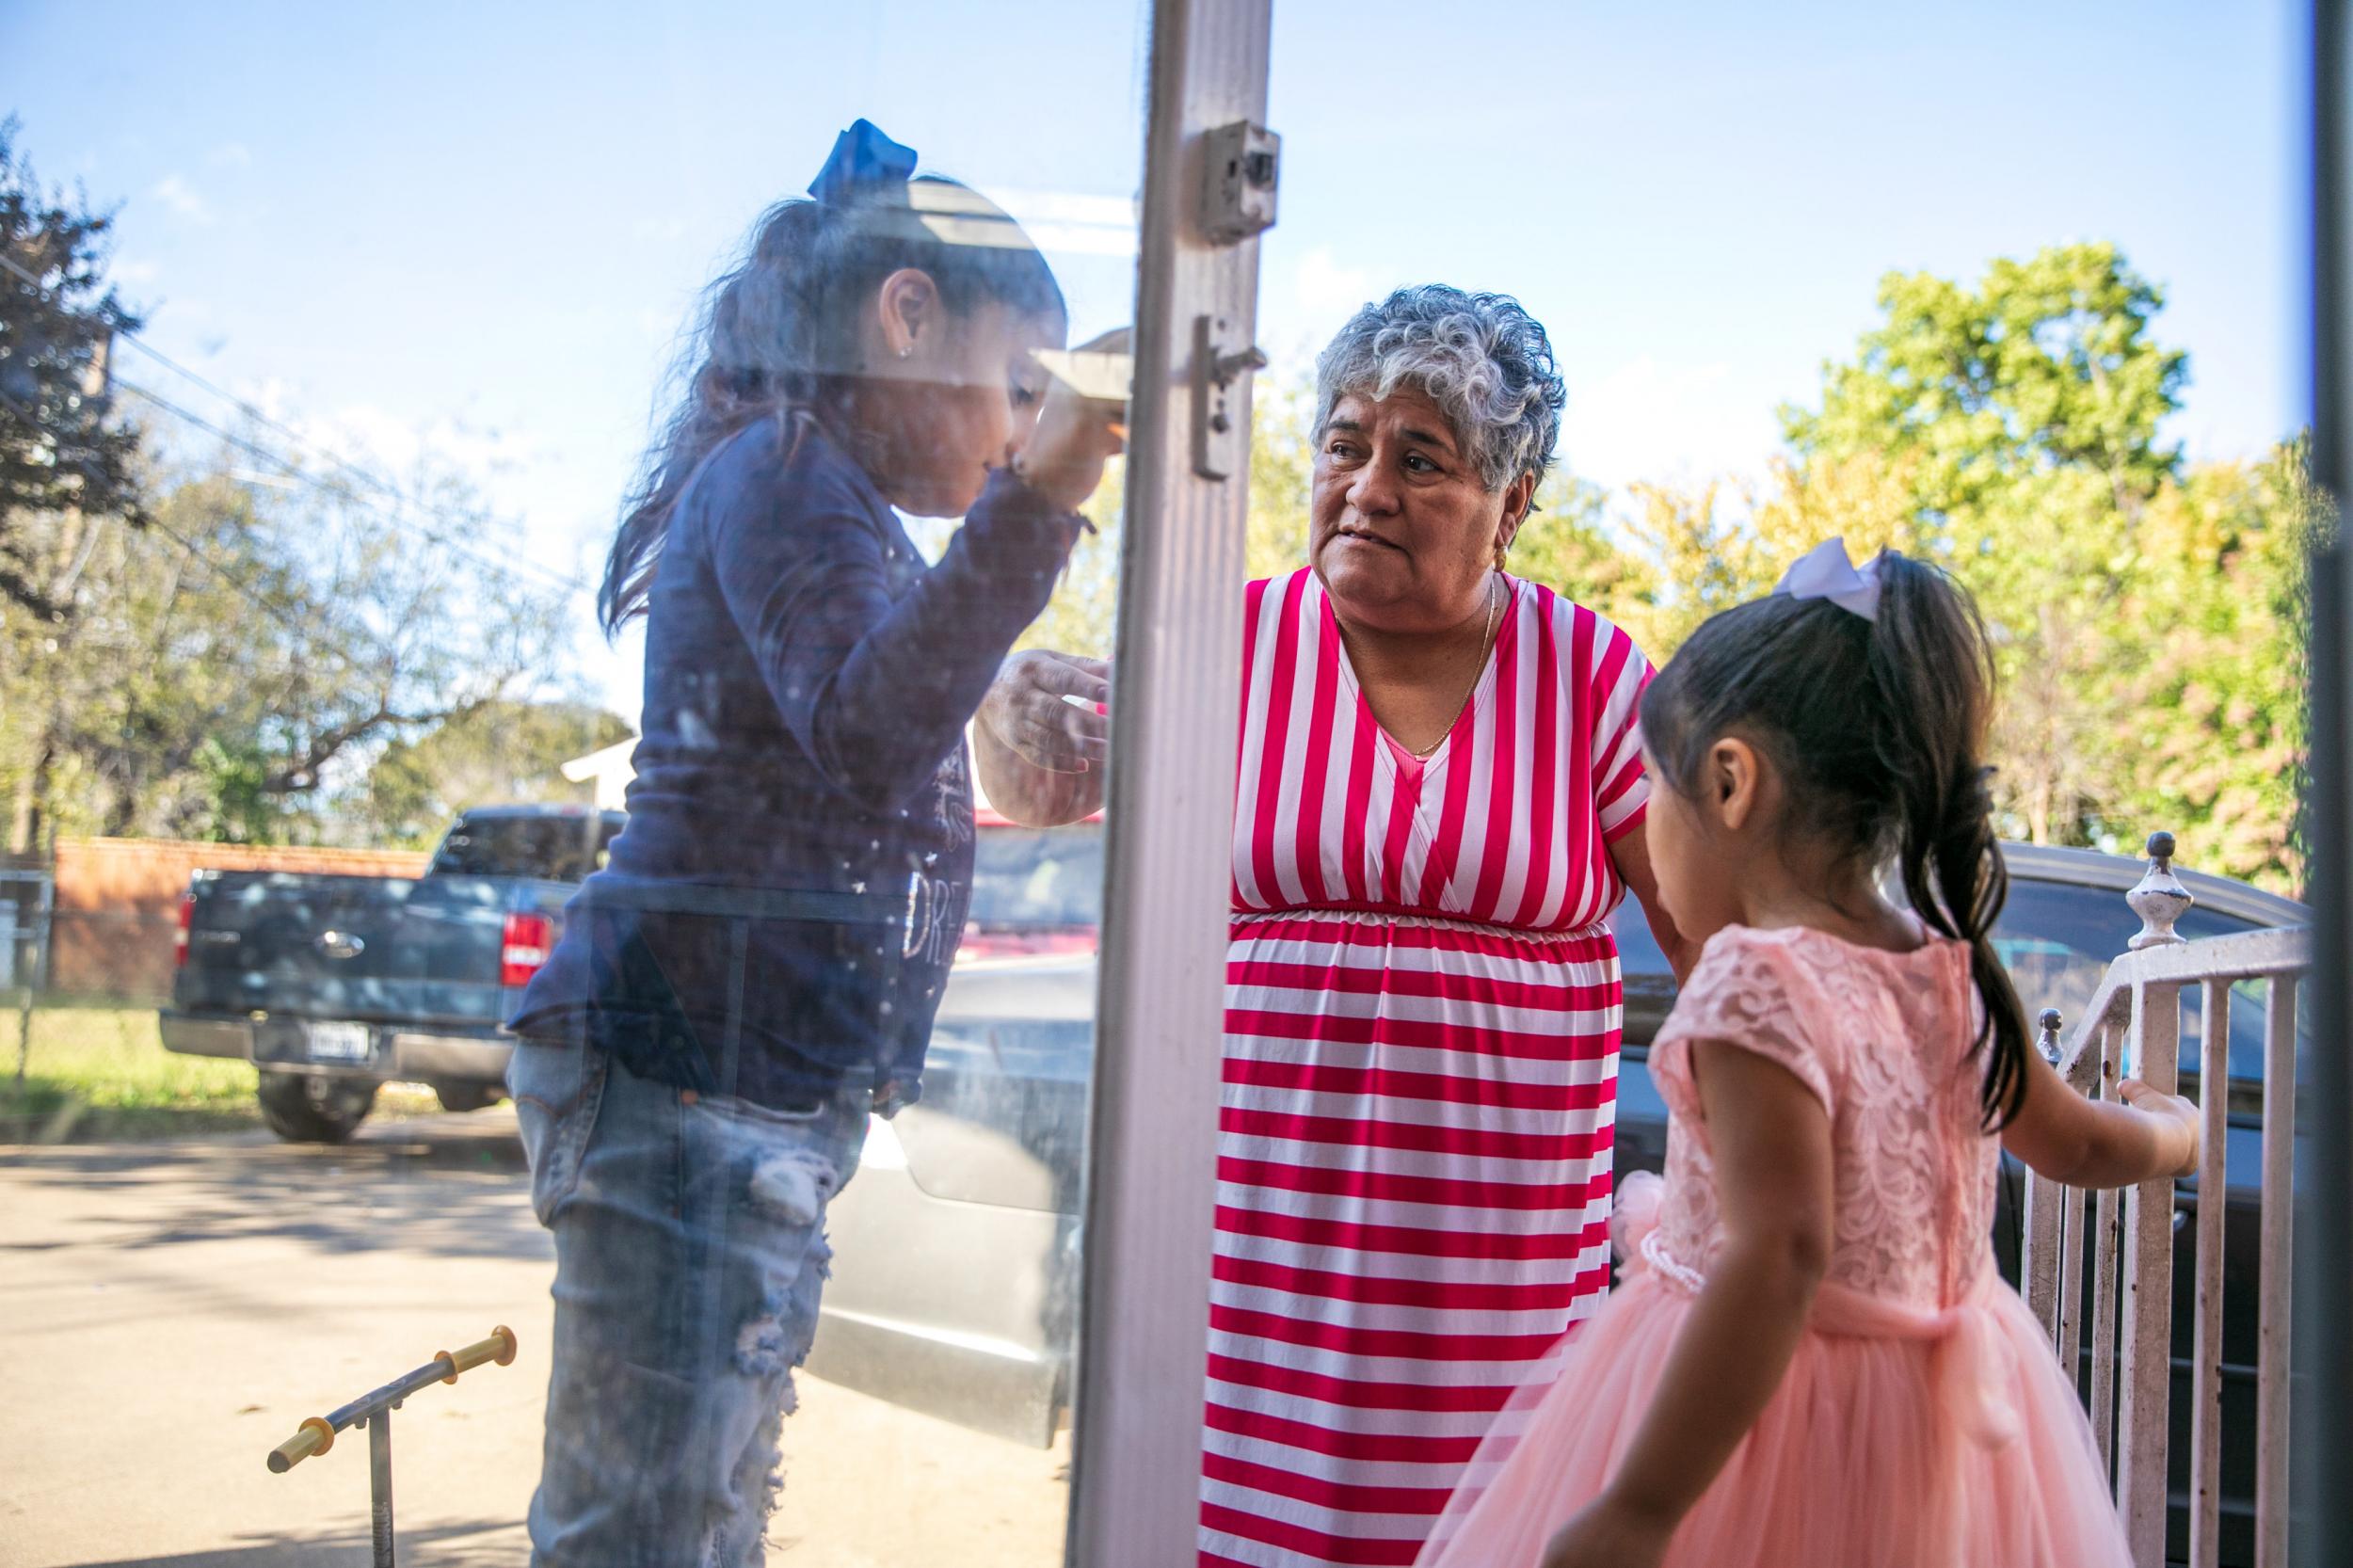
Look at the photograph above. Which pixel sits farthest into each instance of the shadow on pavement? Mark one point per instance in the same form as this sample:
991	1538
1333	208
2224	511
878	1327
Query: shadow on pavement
452	1546
449	1186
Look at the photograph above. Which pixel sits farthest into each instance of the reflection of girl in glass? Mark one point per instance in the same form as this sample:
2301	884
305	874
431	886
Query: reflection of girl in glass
757	968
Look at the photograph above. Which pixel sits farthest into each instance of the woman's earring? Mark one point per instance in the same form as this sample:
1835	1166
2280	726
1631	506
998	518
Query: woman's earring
906	349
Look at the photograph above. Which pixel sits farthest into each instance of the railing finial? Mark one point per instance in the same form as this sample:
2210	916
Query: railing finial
2049	1044
2159	899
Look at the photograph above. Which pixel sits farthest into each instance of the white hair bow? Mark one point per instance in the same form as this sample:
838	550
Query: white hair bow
1826	571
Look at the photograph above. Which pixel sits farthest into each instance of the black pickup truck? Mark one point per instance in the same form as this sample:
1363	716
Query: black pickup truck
333	984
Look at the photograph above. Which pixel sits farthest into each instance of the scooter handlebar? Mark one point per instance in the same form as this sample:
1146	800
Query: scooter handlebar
500	1347
316	1437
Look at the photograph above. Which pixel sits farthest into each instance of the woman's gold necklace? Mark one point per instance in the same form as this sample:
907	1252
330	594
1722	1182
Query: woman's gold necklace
1486	646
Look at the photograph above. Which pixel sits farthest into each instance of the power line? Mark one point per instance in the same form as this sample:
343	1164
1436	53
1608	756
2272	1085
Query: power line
294	470
504	568
243	589
239	583
374	481
252	596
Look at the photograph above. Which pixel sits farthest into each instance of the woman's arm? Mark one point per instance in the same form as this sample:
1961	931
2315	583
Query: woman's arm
1041	759
1631	854
1771	1143
2086	1142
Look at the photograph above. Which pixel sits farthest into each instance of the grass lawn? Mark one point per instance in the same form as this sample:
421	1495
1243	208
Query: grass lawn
98	1071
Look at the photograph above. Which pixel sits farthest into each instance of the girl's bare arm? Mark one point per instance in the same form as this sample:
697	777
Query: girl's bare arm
2086	1142
1770	1139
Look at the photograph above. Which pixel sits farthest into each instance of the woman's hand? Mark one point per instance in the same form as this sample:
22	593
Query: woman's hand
2176	1119
1063	461
1608	1534
1024	709
1040	759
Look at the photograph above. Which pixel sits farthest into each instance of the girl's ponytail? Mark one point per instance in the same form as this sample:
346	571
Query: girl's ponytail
1933	666
749	353
1879	719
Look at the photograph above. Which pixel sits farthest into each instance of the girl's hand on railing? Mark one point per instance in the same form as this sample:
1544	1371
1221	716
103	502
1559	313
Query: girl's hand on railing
2176	1120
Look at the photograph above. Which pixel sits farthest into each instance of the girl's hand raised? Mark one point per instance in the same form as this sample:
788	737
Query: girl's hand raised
1608	1534
2176	1119
1076	434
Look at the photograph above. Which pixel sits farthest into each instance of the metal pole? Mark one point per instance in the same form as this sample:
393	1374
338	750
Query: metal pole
380	1485
30	974
1151	1187
2323	1397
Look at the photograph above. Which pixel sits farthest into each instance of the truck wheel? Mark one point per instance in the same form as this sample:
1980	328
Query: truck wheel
303	1109
468	1096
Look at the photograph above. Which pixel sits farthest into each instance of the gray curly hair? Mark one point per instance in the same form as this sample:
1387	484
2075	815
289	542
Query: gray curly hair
1482	358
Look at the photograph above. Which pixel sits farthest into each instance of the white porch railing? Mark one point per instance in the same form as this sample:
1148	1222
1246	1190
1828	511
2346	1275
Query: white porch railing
2133	1028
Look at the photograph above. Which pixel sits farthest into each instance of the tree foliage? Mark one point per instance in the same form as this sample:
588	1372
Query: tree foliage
2148	616
2143	613
61	450
191	649
507	751
234	670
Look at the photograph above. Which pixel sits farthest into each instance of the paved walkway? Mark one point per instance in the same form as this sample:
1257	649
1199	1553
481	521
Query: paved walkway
168	1312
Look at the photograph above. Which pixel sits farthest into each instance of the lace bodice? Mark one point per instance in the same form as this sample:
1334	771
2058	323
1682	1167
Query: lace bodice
1883	1039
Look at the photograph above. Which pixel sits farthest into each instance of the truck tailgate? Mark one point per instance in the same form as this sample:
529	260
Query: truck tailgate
359	948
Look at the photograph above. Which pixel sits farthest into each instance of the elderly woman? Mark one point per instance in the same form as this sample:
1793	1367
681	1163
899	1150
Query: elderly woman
1440	802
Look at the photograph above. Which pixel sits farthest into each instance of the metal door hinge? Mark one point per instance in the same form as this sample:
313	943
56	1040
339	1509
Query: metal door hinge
1240	164
1220	434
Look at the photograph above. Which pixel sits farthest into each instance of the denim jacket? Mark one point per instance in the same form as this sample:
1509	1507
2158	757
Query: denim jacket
779	914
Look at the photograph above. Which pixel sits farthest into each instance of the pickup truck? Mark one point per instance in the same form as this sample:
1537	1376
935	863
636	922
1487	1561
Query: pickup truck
334	985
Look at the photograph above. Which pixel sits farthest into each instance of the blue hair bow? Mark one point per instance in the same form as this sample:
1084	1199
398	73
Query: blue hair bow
863	160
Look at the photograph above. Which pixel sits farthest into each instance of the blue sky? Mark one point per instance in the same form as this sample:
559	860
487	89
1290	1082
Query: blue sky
479	228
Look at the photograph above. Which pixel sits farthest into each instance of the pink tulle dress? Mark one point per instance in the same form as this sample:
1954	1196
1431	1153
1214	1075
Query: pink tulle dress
1924	1419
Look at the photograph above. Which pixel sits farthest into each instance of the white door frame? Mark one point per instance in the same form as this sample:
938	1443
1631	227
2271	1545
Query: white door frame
1151	1182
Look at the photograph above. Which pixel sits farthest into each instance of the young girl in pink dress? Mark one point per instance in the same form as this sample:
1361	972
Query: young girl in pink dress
1813	1362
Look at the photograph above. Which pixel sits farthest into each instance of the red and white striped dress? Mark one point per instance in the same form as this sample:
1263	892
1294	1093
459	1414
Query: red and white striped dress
1421	1058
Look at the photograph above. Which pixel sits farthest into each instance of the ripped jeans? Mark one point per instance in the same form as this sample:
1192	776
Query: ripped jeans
690	1252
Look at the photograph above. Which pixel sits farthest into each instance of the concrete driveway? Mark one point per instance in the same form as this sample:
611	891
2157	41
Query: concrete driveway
169	1313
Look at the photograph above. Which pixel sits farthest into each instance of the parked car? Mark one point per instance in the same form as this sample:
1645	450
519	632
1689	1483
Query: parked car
1034	889
332	986
956	1248
335	985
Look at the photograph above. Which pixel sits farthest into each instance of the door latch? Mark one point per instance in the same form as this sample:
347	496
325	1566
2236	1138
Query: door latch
1239	165
1220	440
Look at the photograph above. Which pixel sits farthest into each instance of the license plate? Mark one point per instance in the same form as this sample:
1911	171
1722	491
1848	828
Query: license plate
339	1042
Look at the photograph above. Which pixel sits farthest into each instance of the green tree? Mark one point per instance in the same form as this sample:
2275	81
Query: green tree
2010	429
506	751
2046	365
2211	657
232	670
1567	545
62	454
